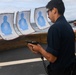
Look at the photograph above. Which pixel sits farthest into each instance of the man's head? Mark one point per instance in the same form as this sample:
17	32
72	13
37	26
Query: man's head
55	9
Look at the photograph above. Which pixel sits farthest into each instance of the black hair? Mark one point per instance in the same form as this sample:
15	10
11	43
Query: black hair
56	4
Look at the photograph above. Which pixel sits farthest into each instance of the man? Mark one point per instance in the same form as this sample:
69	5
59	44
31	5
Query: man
60	51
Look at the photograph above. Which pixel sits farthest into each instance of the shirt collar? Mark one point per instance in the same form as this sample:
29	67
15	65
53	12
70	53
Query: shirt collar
61	17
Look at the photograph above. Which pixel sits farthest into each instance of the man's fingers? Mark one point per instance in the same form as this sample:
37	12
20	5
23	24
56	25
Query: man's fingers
31	47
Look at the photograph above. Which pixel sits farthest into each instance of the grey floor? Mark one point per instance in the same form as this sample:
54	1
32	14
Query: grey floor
33	68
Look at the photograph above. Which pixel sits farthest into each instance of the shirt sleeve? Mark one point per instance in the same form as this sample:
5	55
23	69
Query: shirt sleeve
53	41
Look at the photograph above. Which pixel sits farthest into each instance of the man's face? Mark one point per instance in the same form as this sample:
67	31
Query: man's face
51	15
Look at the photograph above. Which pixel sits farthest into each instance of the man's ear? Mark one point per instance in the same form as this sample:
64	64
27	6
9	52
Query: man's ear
55	10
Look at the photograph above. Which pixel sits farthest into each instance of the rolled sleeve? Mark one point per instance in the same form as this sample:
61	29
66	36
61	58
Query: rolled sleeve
52	51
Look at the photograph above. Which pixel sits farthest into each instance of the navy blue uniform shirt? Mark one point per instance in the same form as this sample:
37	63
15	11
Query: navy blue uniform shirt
61	43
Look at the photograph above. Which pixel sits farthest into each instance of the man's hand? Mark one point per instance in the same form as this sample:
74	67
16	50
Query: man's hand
34	48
